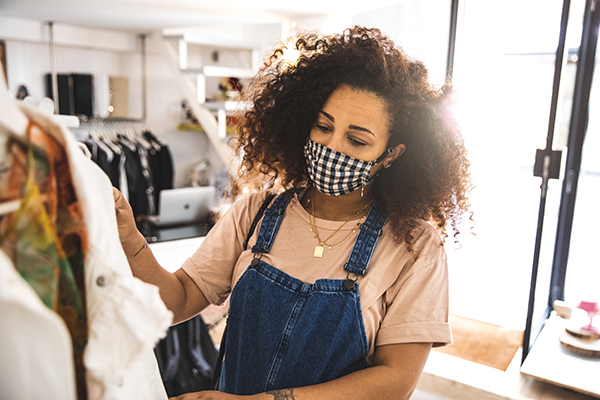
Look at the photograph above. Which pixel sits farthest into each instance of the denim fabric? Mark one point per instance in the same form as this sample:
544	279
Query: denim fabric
271	223
284	332
367	239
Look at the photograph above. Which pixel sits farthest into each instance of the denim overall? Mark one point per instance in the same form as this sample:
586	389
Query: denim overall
283	332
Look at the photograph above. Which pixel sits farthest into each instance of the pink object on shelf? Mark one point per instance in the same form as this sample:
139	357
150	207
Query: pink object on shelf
592	310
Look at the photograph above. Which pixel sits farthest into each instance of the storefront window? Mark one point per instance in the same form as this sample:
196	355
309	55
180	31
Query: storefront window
503	74
583	268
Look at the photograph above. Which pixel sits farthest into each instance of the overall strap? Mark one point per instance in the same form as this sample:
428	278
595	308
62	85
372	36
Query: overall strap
257	217
271	222
214	384
367	239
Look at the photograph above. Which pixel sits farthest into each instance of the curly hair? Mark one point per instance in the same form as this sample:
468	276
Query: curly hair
430	181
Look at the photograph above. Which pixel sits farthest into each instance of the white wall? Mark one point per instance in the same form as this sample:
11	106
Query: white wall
420	27
411	24
78	50
96	51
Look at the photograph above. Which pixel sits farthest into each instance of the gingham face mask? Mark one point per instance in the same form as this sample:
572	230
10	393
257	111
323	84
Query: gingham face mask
334	173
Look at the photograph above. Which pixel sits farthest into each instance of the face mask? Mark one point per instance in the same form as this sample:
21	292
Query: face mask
334	173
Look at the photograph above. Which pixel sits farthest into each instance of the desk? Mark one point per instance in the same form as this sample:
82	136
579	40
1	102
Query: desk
172	254
154	234
549	361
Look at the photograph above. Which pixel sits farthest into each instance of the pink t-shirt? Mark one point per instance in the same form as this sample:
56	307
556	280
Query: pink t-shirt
404	296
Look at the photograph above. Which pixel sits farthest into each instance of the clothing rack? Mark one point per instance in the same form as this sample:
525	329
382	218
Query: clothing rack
137	162
110	128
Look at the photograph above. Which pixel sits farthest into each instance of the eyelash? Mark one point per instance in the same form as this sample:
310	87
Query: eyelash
327	129
324	128
356	142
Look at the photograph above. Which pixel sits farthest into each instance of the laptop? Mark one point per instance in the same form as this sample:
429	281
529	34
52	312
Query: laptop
183	206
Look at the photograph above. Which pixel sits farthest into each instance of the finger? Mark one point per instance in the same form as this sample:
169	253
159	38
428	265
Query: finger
116	194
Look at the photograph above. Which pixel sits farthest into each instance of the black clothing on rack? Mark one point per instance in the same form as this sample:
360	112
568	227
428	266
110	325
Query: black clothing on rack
147	168
161	165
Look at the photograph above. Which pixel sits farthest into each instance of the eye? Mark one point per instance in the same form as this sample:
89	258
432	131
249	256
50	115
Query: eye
324	128
356	142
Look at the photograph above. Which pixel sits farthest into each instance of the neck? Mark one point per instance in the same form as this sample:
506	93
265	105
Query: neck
337	208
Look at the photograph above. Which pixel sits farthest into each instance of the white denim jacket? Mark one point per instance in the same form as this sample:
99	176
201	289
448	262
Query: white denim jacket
126	316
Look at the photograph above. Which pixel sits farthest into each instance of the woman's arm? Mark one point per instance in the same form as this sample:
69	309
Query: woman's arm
394	375
178	291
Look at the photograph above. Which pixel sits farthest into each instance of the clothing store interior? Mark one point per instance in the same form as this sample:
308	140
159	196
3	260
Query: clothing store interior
150	92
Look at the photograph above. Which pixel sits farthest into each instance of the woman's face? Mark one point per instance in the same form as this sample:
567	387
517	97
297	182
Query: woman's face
353	122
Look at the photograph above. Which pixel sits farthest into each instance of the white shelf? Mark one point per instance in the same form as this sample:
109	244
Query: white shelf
228	106
207	41
70	121
211	70
550	362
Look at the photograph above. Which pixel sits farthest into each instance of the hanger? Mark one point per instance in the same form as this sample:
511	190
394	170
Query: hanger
109	138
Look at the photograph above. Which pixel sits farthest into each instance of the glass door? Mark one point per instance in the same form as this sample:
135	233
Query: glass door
583	268
573	252
503	74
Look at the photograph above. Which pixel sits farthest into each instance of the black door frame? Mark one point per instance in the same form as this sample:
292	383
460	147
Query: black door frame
577	129
548	160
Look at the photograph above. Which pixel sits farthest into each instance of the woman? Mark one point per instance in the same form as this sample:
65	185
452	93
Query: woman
343	288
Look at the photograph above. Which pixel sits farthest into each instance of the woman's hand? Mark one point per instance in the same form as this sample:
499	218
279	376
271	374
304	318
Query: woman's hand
125	218
209	395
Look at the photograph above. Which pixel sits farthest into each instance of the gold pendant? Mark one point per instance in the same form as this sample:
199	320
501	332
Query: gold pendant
318	251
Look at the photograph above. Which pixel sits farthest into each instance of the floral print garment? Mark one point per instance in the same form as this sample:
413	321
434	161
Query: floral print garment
46	237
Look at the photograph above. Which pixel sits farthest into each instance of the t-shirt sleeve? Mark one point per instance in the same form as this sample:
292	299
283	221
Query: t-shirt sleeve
417	303
211	266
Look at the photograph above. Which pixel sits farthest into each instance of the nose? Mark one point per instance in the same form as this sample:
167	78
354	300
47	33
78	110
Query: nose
334	142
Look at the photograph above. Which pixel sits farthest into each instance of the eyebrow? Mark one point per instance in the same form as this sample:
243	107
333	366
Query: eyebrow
356	127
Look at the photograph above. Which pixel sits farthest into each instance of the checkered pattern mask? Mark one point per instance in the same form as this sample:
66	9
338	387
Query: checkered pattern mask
334	173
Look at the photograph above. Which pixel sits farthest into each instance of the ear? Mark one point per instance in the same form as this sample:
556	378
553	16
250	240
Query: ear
396	152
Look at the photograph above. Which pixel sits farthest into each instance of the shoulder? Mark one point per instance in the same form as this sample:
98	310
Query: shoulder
428	246
427	250
248	203
426	237
244	209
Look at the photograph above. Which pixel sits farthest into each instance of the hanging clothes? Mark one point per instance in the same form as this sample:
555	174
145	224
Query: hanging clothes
110	159
46	237
125	316
140	167
161	165
137	183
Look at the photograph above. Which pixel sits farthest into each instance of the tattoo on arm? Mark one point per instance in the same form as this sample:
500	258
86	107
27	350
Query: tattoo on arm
141	248
284	394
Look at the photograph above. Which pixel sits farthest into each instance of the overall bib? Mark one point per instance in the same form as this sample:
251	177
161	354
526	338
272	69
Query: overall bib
285	333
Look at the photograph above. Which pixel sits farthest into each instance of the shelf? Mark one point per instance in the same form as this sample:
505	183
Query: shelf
550	362
70	121
211	70
206	41
228	106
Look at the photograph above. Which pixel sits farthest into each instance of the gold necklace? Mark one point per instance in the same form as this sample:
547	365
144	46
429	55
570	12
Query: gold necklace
319	249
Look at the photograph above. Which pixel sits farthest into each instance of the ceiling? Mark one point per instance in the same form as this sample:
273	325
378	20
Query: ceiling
147	15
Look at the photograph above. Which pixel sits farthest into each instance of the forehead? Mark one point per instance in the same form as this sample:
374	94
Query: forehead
349	106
